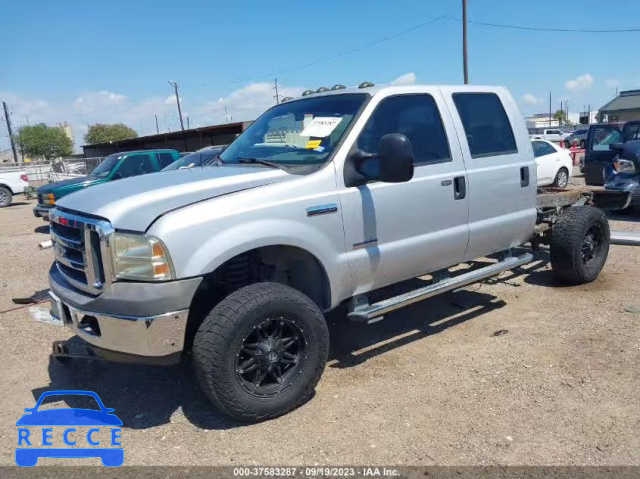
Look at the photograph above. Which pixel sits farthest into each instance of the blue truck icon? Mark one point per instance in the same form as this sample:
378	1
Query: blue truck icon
69	417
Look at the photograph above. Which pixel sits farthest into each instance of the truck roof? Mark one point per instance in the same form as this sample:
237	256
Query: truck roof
400	89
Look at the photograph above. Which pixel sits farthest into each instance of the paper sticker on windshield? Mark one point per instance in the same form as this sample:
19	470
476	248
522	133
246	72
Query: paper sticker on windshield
321	126
313	144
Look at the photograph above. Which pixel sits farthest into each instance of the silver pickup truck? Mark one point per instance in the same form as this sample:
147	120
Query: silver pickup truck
322	200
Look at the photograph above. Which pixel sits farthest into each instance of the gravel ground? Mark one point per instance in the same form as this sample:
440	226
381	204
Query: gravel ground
519	370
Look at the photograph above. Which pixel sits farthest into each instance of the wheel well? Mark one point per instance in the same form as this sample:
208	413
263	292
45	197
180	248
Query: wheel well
283	264
2	185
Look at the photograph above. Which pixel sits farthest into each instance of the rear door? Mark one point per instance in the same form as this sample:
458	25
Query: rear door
598	160
500	167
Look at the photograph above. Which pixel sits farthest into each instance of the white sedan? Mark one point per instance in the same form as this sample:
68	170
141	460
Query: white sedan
554	164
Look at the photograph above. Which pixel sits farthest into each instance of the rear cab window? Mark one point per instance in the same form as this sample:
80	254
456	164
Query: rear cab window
486	124
165	159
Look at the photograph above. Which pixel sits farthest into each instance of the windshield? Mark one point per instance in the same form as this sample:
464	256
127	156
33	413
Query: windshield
107	165
297	133
197	158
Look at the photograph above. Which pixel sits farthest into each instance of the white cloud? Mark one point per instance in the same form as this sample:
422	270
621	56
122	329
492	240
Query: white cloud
583	82
406	79
243	104
529	99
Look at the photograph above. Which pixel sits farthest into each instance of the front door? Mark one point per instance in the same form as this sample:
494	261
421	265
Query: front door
402	230
598	159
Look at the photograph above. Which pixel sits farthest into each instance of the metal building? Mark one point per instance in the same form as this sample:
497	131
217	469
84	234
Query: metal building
188	140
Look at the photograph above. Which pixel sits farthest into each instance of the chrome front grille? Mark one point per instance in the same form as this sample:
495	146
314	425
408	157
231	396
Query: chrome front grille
80	248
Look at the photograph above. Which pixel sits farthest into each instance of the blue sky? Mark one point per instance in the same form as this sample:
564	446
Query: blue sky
106	61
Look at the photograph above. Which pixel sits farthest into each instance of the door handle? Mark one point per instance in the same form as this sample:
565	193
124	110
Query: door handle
459	188
524	176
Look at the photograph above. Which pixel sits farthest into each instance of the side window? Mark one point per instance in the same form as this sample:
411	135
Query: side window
633	132
603	136
135	165
416	117
540	148
165	159
486	124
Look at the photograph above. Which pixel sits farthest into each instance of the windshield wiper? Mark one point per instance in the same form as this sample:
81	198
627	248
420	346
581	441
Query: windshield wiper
261	162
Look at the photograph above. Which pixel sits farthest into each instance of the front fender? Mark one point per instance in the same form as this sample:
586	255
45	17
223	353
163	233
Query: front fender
242	237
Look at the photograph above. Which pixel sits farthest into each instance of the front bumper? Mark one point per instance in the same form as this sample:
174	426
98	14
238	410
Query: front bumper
40	211
621	182
139	319
152	336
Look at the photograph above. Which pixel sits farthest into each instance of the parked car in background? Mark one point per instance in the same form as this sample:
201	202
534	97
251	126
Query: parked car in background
113	167
197	158
550	135
553	164
599	157
11	183
578	136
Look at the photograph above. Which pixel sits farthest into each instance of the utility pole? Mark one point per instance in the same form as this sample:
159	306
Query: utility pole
550	114
277	96
464	42
589	116
562	110
188	127
8	119
157	127
175	88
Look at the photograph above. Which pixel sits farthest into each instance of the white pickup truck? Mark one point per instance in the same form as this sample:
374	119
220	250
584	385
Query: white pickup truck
550	134
11	183
322	200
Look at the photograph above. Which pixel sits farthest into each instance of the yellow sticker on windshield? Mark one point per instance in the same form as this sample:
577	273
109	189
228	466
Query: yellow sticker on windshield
312	144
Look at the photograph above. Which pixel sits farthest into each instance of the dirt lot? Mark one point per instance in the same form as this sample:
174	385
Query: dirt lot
432	384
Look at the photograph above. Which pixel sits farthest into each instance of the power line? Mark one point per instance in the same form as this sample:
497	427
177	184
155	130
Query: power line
544	29
409	30
332	57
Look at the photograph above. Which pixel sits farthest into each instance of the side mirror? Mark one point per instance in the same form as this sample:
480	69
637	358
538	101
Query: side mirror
616	147
395	155
393	163
117	175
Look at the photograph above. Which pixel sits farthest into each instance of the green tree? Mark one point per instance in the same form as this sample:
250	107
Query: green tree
561	116
103	133
44	142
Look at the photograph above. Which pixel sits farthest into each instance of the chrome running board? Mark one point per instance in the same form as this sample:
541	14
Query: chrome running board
374	311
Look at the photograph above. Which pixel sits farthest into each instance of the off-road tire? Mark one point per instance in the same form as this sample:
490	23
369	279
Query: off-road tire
557	182
5	197
220	340
568	238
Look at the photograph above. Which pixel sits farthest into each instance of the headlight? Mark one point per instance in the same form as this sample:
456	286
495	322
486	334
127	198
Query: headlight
49	199
625	166
139	257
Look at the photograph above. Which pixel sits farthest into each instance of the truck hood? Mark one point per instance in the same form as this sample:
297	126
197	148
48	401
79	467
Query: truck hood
70	184
134	203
